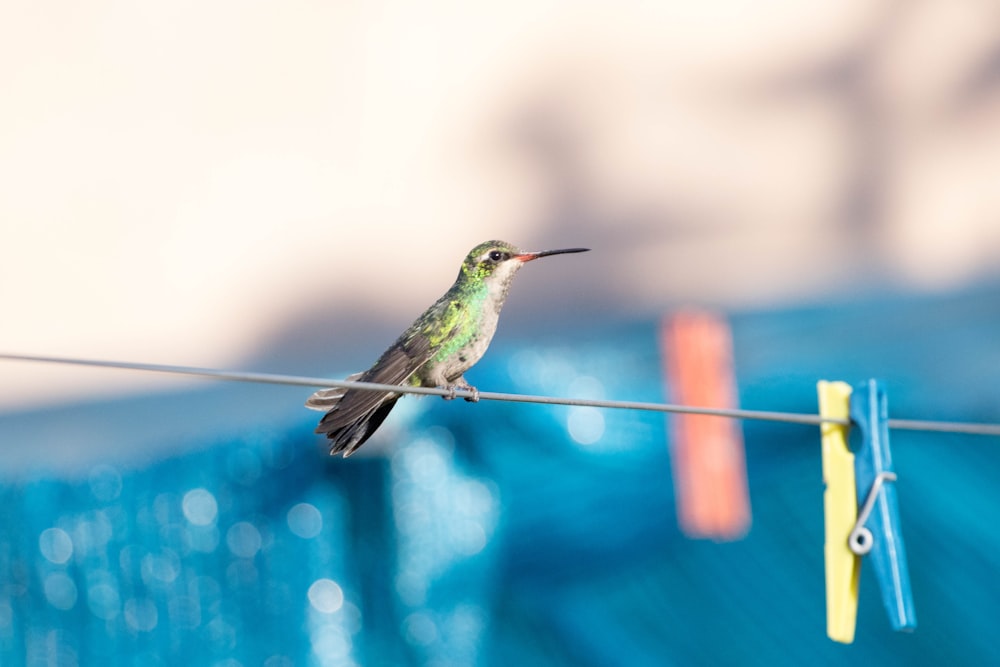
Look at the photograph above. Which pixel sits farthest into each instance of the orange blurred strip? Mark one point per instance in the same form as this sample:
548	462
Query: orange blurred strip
708	456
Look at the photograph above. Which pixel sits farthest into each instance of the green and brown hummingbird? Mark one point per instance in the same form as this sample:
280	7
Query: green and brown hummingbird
443	343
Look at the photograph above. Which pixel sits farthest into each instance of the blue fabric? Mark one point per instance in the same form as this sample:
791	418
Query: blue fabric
513	534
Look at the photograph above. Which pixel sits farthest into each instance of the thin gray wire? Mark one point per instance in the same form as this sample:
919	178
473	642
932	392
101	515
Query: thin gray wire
295	380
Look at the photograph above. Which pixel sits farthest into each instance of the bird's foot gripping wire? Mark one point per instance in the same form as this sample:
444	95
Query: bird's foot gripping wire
453	390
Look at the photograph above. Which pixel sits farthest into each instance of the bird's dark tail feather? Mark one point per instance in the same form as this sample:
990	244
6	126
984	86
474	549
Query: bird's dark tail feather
348	437
324	399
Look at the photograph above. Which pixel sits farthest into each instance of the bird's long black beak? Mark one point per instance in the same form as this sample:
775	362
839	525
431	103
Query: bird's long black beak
528	256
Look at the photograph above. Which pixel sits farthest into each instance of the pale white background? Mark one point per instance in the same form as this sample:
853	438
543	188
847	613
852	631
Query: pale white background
212	183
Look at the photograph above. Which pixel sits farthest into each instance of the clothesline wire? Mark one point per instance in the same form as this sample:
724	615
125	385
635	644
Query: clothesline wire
295	380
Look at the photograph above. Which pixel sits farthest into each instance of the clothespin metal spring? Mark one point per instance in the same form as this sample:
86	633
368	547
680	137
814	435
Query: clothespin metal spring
860	540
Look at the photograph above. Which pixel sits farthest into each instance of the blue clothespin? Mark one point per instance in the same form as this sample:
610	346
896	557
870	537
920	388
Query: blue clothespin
877	532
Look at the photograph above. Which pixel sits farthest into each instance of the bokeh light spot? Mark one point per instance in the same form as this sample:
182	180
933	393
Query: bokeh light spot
202	538
141	614
420	629
468	537
585	424
163	566
56	545
331	647
305	520
103	600
586	386
200	507
60	590
243	539
326	596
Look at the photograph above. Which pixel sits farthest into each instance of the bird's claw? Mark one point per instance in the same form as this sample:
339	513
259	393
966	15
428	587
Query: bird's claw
453	390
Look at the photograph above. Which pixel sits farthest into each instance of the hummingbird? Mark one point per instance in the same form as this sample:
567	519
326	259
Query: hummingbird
437	349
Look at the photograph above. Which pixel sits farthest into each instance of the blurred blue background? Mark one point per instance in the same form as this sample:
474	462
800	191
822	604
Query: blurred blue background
499	533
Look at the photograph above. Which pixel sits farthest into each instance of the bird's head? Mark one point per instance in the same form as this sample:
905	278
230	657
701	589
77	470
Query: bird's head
494	263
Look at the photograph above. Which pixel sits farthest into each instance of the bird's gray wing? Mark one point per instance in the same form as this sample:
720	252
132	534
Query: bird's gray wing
395	366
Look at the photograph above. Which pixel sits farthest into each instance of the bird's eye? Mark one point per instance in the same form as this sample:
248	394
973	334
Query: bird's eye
496	255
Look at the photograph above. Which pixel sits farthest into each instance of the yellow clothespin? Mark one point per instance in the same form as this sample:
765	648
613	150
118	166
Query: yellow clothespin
840	511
